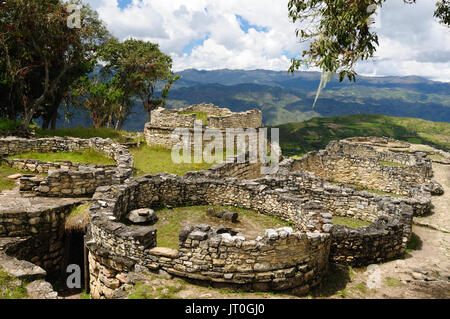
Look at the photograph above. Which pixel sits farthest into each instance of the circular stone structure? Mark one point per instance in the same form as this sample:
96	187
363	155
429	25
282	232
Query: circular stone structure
67	179
282	259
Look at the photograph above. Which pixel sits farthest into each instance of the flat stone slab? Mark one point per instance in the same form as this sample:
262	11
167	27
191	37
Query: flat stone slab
41	289
21	269
15	202
143	215
164	252
15	176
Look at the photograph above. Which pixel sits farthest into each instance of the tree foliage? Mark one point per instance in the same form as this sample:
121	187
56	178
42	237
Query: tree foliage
41	55
140	67
339	33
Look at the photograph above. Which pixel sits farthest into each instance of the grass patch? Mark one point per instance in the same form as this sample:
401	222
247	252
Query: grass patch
437	157
393	282
202	116
82	132
10	287
349	222
146	291
85	295
413	244
171	221
391	164
155	159
5	182
85	157
369	190
7	125
78	218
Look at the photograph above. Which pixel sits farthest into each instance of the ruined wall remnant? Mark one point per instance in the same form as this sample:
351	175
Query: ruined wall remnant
67	179
163	122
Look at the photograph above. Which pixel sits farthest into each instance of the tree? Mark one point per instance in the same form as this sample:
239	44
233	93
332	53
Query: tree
140	68
101	95
42	55
339	33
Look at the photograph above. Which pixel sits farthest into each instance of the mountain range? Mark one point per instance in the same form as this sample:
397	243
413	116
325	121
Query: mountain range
285	97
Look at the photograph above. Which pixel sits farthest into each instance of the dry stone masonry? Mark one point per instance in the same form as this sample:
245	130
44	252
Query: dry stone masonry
164	121
67	179
306	192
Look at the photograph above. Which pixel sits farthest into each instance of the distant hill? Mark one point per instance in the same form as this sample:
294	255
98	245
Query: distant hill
315	134
287	98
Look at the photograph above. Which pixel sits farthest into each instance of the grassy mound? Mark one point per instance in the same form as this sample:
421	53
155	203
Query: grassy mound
349	222
85	157
315	134
153	160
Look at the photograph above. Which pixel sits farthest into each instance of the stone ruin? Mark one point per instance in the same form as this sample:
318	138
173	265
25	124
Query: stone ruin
158	132
307	192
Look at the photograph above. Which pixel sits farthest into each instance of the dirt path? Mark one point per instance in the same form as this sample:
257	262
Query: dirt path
440	219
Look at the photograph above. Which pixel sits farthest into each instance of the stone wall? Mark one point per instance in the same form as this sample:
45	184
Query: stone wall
163	122
220	118
68	179
361	164
42	231
278	259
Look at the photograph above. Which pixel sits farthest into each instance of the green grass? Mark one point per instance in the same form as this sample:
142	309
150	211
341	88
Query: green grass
297	138
369	190
85	132
146	291
202	116
78	219
7	125
171	221
5	171
85	157
349	222
391	164
393	282
153	160
10	287
413	244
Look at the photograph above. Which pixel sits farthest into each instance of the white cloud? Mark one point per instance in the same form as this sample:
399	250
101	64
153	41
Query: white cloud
411	42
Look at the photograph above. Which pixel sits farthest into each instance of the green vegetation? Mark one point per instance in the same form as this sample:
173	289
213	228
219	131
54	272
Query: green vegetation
5	182
171	221
349	222
7	125
413	244
155	159
85	295
83	132
391	164
85	157
296	138
10	287
201	116
145	291
78	218
393	282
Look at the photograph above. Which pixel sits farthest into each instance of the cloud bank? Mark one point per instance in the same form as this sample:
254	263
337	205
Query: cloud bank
257	34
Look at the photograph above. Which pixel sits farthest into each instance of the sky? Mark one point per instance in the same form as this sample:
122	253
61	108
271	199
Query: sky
257	34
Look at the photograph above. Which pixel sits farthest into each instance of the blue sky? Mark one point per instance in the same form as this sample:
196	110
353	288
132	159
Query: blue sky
257	34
